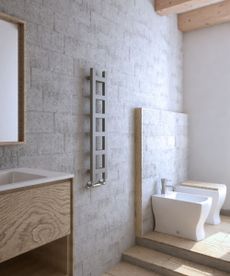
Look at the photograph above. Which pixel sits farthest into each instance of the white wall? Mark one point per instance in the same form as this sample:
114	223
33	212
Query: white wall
207	101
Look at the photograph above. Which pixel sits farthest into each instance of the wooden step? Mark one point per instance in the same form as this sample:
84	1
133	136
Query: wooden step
126	269
214	251
165	264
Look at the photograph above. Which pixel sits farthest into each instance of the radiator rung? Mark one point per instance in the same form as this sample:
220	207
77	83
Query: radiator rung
100	134
100	152
100	97
100	116
100	79
99	171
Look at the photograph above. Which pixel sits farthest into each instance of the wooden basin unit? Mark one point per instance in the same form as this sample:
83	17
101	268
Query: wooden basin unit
36	226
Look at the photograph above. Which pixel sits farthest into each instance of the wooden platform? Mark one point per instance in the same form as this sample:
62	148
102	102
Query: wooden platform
162	254
213	251
216	245
165	264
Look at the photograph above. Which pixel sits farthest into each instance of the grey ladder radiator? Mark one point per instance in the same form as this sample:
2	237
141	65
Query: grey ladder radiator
98	146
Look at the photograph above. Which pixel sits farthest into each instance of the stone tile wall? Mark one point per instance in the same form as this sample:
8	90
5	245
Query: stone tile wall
142	54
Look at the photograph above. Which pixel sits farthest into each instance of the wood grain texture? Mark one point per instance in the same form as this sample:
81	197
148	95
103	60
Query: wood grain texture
22	81
54	254
138	172
204	17
33	217
11	18
71	259
125	269
215	245
166	7
27	265
165	264
59	254
21	77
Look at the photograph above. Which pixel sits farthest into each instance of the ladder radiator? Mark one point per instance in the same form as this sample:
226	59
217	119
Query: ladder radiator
98	129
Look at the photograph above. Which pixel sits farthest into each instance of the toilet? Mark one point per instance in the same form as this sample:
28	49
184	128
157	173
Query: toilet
216	191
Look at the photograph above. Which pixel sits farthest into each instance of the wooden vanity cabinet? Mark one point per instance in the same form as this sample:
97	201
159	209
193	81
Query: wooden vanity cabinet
36	228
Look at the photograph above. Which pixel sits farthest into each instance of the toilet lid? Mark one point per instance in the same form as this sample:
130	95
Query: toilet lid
204	185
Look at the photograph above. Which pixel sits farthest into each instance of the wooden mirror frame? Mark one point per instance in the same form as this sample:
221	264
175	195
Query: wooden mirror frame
21	77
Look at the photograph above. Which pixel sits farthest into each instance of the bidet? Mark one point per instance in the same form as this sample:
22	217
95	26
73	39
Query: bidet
181	214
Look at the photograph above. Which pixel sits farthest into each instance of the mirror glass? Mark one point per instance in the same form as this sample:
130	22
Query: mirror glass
11	80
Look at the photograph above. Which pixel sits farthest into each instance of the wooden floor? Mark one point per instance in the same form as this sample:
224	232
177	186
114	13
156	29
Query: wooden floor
126	269
216	244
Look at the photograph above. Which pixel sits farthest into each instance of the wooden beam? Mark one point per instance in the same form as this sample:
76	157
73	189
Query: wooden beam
138	170
205	17
166	7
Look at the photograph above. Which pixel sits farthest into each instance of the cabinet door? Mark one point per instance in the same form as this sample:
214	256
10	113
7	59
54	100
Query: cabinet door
33	217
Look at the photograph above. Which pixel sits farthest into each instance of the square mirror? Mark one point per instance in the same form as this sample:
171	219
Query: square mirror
12	82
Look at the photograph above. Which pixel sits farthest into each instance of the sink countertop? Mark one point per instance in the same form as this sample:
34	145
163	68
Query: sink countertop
45	177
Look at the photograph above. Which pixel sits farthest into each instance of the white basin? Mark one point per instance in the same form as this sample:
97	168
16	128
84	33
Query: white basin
181	214
16	176
25	177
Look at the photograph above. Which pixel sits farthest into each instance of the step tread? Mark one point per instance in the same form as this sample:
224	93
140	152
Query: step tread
126	269
216	244
180	266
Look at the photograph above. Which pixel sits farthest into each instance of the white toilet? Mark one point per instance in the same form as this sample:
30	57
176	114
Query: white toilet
216	191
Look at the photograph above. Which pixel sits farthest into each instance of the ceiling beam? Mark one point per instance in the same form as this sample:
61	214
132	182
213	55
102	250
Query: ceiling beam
166	7
204	17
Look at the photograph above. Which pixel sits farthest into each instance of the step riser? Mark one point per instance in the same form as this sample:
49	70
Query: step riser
185	254
148	266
